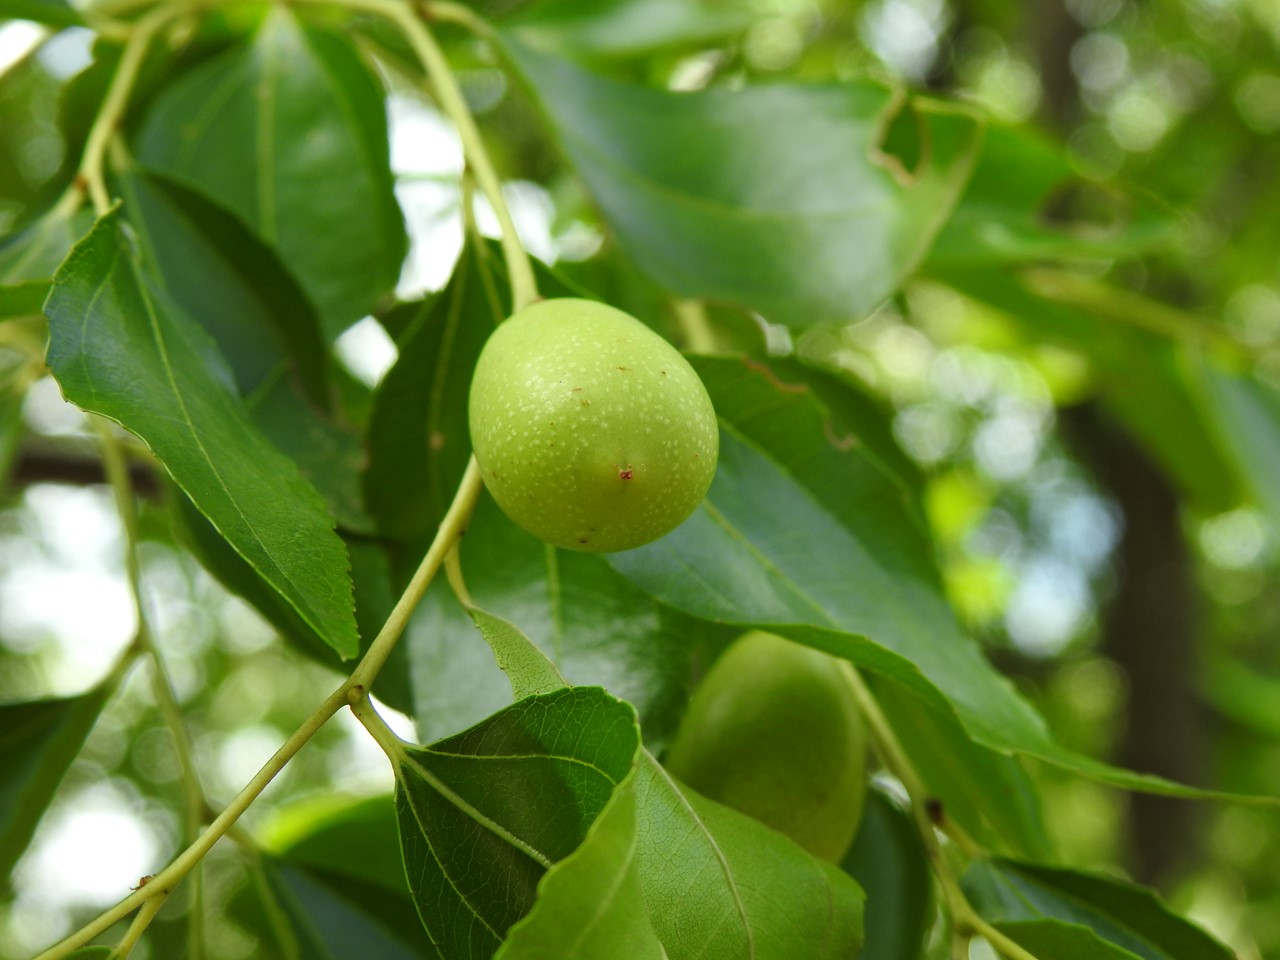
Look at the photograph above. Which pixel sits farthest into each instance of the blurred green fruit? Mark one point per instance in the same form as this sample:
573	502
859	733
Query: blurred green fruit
591	431
773	731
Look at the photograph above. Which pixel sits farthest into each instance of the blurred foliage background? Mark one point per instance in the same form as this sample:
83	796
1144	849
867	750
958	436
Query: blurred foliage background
1084	538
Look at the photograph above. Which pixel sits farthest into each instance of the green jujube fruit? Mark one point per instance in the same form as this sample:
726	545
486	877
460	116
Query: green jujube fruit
774	732
591	431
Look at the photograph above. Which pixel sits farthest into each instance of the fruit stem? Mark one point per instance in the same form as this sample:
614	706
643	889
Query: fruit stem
195	803
965	921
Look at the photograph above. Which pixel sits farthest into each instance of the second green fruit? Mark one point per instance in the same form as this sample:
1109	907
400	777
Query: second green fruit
773	731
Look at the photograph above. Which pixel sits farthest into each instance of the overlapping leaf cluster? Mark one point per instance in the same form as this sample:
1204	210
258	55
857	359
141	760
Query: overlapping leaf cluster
258	220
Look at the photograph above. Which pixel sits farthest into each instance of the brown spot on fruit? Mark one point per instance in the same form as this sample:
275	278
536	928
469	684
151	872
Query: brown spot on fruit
625	474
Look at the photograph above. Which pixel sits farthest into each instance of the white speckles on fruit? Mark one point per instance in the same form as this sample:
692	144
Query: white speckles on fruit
591	431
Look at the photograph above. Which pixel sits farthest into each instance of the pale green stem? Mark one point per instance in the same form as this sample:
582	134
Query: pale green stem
113	106
195	804
524	286
137	928
965	921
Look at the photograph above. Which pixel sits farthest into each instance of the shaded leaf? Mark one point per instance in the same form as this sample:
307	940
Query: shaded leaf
229	281
91	953
790	208
1247	419
290	133
483	814
120	348
888	861
987	793
331	920
29	258
38	741
1123	915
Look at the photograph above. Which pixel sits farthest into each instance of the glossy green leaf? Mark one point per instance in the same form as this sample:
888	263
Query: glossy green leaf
290	133
804	535
590	904
721	886
789	208
228	280
1017	208
57	13
888	861
485	813
989	794
1121	914
38	741
119	347
623	28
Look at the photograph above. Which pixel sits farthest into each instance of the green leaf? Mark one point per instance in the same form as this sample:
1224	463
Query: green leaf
666	873
330	920
789	207
721	886
591	904
418	440
1127	916
805	535
228	280
290	134
120	348
57	13
1007	213
888	861
622	28
91	953
328	450
527	667
38	741
987	793
483	814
